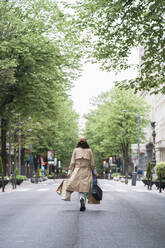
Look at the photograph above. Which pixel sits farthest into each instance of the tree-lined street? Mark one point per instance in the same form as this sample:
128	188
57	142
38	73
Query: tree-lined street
43	46
35	216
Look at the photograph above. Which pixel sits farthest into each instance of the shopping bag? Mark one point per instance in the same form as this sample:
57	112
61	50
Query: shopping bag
91	199
59	189
97	192
65	195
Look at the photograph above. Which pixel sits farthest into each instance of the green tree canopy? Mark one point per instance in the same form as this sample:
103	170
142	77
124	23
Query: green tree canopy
58	133
113	28
39	55
110	130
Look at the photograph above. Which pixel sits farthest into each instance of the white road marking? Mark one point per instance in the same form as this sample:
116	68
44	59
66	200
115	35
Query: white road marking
121	190
23	190
43	189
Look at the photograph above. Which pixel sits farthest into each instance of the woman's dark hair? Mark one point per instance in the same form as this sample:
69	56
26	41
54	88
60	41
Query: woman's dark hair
83	144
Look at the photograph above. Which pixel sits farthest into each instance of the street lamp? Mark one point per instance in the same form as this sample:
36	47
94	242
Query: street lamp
21	123
153	162
138	117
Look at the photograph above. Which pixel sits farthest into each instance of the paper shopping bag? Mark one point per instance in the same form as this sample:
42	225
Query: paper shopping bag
65	195
92	200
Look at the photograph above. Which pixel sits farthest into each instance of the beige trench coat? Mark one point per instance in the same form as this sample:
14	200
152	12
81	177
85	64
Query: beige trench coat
81	166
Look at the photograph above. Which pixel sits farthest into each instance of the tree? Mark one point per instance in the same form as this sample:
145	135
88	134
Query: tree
33	66
58	133
39	60
118	26
67	135
111	131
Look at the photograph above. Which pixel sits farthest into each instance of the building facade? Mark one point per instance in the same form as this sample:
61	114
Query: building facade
157	115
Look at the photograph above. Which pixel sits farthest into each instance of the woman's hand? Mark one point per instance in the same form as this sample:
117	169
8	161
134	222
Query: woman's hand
68	176
94	173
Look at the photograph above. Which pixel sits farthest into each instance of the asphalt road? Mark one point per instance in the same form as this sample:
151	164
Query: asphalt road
128	217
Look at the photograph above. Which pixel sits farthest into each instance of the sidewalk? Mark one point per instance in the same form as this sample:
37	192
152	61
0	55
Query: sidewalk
9	187
28	183
140	187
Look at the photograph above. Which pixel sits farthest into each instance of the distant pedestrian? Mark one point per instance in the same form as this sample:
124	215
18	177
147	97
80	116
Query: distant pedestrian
139	174
81	171
104	174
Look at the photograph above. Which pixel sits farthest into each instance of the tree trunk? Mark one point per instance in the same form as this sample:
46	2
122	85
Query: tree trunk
125	158
3	144
10	148
15	153
23	161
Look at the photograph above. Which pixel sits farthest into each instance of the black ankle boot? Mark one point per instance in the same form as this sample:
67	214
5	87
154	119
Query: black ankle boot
82	205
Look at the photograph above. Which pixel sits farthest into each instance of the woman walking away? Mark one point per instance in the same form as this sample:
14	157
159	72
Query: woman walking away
81	171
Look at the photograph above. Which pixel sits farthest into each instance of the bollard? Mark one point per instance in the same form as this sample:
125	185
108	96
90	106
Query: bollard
160	180
134	176
126	180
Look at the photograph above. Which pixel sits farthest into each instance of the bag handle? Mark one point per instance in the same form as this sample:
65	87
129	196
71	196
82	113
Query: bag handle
94	180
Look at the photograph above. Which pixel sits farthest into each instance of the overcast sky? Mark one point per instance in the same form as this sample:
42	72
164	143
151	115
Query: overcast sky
93	82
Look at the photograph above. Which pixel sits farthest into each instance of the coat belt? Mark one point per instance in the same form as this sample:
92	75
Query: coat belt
82	163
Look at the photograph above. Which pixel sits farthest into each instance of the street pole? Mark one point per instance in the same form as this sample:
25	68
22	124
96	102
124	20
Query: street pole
138	165
21	123
125	172
19	146
10	147
153	162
